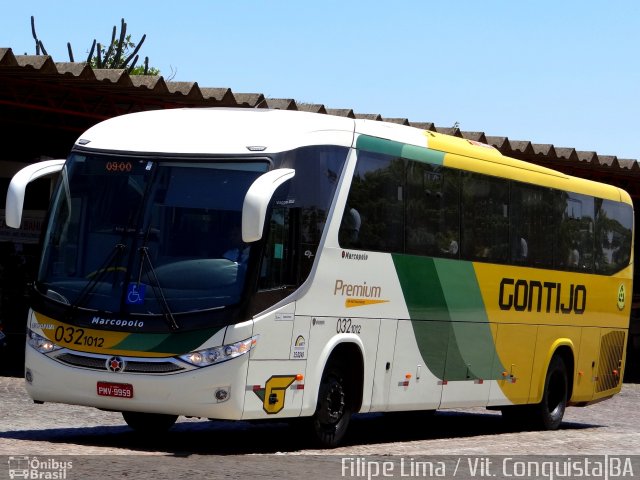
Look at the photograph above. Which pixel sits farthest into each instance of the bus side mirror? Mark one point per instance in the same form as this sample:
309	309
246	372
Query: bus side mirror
257	199
18	186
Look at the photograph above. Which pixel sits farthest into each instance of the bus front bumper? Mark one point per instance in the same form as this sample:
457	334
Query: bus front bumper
216	391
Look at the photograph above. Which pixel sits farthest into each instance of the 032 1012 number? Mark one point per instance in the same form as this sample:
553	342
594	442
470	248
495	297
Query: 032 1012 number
77	336
345	325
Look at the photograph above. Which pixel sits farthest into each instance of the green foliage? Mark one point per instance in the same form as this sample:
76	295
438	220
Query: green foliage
142	70
119	53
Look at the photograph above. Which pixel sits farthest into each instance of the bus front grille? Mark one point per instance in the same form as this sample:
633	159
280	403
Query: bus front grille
131	366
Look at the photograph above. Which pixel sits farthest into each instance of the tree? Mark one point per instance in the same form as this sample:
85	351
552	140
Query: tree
119	53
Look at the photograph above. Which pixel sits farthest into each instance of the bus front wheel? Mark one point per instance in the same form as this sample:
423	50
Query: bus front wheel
149	423
333	411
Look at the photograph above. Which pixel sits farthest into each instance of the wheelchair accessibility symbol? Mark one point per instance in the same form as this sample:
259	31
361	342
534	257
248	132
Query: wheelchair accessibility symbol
135	293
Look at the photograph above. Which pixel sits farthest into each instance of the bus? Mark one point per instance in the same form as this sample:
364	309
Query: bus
247	264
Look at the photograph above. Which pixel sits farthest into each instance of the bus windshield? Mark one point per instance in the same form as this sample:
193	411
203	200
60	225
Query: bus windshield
137	236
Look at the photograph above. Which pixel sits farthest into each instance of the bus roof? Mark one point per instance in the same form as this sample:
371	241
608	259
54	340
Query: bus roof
237	131
213	131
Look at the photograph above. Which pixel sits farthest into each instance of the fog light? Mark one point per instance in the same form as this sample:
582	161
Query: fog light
28	376
222	394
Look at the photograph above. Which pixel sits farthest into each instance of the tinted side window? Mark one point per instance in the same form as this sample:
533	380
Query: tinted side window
433	210
298	214
312	188
533	225
485	218
374	214
613	228
575	232
403	206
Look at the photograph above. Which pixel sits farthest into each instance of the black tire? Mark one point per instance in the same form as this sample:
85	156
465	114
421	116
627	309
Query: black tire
333	411
547	415
149	423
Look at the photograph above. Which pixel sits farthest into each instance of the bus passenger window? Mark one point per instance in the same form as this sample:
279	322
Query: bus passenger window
377	193
432	209
532	225
613	227
485	218
576	232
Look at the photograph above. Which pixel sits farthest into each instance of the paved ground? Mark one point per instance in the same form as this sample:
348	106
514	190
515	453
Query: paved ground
235	450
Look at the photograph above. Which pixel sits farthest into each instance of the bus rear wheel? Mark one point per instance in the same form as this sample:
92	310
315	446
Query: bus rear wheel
149	423
333	411
547	415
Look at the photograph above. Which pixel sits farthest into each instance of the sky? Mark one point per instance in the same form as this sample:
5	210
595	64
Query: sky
564	72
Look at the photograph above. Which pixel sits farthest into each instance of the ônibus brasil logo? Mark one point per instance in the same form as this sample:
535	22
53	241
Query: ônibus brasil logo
33	467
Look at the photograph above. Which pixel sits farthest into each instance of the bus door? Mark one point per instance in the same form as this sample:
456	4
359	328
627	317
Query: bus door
586	371
418	366
468	365
384	360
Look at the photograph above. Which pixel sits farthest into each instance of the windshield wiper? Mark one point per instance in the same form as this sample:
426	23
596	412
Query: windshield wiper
157	288
115	254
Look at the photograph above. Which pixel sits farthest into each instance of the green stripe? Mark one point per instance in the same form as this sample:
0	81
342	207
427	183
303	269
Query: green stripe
448	317
461	290
432	339
142	342
470	328
173	343
421	287
398	149
185	342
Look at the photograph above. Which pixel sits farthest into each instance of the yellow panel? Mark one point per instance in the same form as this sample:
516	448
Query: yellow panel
515	345
584	378
549	339
477	157
465	147
504	287
525	172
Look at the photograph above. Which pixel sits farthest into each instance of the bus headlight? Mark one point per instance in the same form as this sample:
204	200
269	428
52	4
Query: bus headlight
41	344
211	356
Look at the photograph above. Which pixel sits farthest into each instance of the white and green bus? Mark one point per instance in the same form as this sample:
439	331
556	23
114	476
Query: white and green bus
254	264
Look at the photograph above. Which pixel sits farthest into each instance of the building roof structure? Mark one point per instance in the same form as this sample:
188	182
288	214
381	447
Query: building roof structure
45	105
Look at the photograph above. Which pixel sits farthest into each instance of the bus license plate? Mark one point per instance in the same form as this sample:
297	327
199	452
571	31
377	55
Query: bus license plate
120	390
